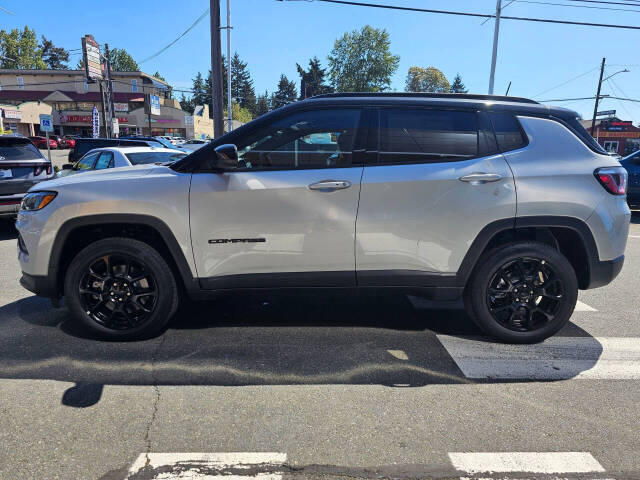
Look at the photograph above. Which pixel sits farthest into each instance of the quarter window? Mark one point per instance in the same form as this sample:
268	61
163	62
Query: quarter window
310	139
508	131
423	135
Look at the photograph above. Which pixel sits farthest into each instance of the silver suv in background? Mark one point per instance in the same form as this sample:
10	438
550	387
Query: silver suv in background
501	201
21	167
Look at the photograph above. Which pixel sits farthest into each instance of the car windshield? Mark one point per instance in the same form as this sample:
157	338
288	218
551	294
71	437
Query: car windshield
165	143
18	150
139	158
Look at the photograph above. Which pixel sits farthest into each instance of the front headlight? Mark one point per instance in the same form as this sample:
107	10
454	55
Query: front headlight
36	200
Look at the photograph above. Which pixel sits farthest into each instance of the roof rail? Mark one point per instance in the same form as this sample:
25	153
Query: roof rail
468	96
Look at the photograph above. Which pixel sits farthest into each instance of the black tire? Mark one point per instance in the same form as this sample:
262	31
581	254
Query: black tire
121	289
526	311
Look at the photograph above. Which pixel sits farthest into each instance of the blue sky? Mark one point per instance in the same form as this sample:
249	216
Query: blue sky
272	36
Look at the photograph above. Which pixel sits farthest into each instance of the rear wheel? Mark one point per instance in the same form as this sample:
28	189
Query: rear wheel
121	288
522	292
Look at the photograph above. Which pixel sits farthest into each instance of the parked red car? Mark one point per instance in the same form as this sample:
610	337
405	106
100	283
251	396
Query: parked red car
41	142
70	142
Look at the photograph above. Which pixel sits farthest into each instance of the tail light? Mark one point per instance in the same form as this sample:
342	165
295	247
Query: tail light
41	168
613	179
38	170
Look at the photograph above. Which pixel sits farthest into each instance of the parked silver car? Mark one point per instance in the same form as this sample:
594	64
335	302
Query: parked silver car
504	202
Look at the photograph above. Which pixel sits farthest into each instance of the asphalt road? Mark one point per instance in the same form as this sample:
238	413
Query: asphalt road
335	387
58	156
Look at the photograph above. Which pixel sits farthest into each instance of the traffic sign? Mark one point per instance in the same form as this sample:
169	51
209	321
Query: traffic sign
46	123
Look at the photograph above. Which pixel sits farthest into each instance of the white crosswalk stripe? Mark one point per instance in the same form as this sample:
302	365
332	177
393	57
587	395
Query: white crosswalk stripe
556	358
555	463
208	466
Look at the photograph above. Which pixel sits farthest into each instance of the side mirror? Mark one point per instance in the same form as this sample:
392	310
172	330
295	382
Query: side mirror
67	166
226	157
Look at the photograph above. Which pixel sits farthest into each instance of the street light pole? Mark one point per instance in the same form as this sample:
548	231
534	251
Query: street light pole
494	56
216	69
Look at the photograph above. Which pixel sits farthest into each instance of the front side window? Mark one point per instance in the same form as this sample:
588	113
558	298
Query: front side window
309	139
411	135
87	162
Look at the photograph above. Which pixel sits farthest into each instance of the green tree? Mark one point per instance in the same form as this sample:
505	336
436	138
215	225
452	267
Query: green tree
158	76
238	113
312	81
262	104
56	58
242	90
457	86
186	104
20	49
428	79
121	61
362	62
286	93
199	91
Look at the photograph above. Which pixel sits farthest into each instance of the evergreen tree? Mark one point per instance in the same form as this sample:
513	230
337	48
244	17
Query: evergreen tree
186	104
198	89
158	76
262	104
20	49
56	58
312	80
242	90
121	61
457	86
286	93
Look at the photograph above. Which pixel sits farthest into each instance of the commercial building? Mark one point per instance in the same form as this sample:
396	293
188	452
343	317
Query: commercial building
615	135
65	94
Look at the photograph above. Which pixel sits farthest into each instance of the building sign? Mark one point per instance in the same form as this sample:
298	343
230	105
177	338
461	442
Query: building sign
115	127
618	134
91	57
154	101
622	123
121	107
95	122
46	123
84	119
15	114
605	113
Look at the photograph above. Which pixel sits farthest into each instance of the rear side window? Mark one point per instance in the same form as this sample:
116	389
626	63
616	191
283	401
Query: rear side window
20	150
508	131
87	162
410	135
138	158
583	134
104	161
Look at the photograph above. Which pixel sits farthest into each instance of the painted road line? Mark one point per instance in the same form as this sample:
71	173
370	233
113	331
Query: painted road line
399	354
233	465
583	307
527	462
557	358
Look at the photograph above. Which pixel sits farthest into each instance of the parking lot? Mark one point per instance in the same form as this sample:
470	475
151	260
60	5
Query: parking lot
331	386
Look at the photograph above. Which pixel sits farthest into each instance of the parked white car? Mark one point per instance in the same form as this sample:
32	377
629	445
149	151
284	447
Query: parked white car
116	157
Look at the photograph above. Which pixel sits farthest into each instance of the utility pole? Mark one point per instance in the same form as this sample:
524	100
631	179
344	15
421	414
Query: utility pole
216	68
109	89
104	114
595	108
229	112
494	56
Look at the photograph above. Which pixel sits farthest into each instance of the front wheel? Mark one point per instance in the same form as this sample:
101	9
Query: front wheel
121	289
522	292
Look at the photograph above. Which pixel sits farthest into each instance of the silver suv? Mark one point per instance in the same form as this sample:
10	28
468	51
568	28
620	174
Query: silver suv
501	201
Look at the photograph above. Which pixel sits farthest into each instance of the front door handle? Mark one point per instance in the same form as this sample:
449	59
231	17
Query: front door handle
330	185
480	178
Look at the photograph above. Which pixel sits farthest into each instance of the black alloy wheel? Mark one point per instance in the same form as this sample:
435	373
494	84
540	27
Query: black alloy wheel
524	294
118	291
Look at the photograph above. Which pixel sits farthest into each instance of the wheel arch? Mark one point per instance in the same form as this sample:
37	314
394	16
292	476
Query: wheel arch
79	232
570	235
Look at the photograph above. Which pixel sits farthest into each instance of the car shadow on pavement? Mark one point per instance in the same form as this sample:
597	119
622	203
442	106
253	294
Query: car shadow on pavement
635	216
249	340
7	229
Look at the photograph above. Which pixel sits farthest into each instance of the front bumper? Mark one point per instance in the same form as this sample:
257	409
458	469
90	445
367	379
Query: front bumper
41	285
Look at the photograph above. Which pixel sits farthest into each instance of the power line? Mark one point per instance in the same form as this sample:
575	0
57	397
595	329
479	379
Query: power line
477	15
579	6
564	83
198	20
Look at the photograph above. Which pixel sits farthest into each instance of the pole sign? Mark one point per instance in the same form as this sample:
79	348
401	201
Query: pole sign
46	123
91	58
95	122
154	102
605	113
115	127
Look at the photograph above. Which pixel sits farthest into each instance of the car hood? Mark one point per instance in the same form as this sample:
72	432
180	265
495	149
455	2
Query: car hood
101	175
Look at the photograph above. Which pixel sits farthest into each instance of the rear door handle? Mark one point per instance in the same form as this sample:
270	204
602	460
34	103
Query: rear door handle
330	185
480	178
